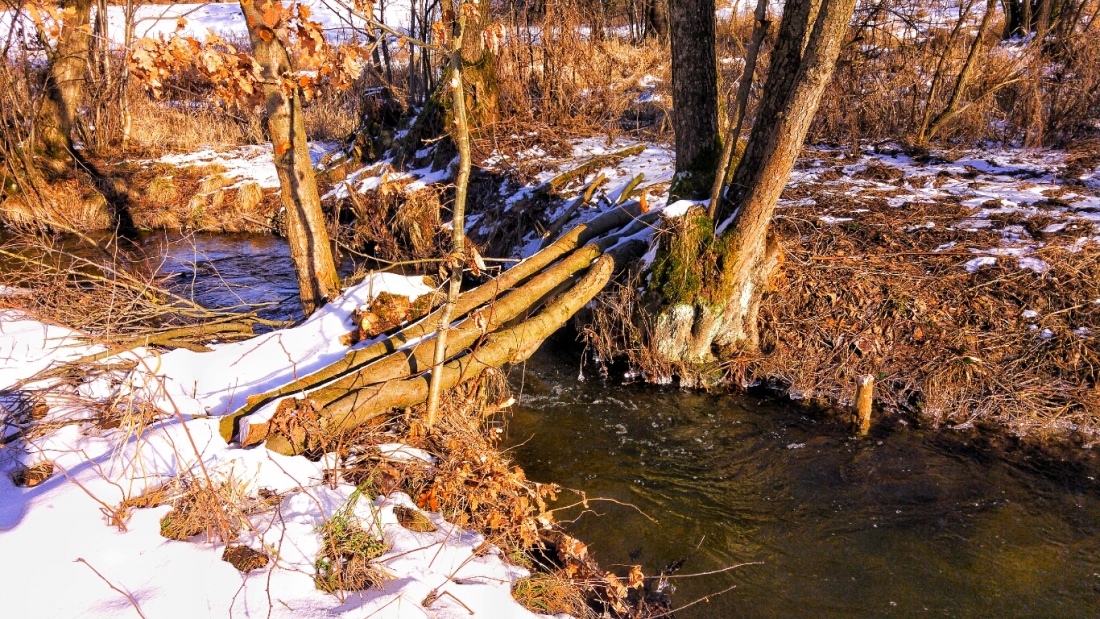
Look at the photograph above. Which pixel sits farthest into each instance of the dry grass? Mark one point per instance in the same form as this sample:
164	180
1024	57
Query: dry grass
187	125
113	294
873	297
551	594
347	551
555	72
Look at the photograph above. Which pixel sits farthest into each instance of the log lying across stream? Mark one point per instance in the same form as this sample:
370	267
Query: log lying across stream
502	321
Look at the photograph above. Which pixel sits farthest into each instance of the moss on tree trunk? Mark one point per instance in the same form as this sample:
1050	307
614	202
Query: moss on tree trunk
710	287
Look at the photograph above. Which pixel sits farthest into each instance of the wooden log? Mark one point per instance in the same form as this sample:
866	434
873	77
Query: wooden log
502	347
556	184
419	358
861	420
355	359
628	191
578	202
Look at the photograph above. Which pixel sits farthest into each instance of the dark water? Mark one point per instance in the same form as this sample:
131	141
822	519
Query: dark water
230	270
898	525
893	526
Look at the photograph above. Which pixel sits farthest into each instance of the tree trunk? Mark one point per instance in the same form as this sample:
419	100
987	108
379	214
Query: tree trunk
65	81
309	243
952	107
461	138
744	87
656	19
694	97
726	274
479	70
938	76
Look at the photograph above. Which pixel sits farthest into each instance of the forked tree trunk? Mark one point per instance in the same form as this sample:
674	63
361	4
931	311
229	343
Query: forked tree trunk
734	269
694	97
65	76
930	129
309	242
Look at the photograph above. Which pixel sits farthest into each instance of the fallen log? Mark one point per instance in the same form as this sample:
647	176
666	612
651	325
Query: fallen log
418	358
577	237
578	202
505	346
555	184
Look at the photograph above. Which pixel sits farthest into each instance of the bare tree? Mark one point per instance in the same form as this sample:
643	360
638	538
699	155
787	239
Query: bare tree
931	126
694	96
310	248
712	282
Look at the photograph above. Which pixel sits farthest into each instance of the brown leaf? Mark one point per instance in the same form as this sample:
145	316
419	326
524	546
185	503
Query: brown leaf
273	15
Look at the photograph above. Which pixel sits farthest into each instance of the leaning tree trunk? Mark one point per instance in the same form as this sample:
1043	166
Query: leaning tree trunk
65	76
711	282
930	129
694	97
309	243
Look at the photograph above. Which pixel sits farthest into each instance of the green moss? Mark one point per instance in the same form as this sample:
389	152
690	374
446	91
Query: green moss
692	266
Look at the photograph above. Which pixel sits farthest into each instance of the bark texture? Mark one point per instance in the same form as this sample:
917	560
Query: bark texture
744	87
723	310
656	19
65	81
310	248
694	97
461	137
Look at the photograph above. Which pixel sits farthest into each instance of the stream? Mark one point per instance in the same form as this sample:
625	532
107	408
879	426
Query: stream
900	524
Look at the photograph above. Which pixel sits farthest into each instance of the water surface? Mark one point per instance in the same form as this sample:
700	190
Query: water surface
898	525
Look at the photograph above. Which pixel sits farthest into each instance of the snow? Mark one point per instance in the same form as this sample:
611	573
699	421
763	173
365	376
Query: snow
973	265
252	163
56	535
397	451
679	208
1000	188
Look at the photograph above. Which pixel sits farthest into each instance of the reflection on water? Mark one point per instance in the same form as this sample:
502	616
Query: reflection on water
891	526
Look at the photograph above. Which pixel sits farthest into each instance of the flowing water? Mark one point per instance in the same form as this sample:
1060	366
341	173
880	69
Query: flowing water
902	524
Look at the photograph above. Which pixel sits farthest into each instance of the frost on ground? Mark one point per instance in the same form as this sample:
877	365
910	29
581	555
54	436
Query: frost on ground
1005	204
72	548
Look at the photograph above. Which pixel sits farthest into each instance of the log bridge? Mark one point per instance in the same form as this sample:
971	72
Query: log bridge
501	321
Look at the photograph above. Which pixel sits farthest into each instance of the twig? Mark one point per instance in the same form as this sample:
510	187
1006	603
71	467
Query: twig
133	602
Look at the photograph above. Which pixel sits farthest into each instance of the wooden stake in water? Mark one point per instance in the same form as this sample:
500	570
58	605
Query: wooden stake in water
861	420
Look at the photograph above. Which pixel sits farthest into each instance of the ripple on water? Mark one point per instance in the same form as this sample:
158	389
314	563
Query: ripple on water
894	526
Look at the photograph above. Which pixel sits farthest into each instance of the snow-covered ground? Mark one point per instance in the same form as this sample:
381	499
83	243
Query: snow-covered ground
835	187
62	558
999	188
253	163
